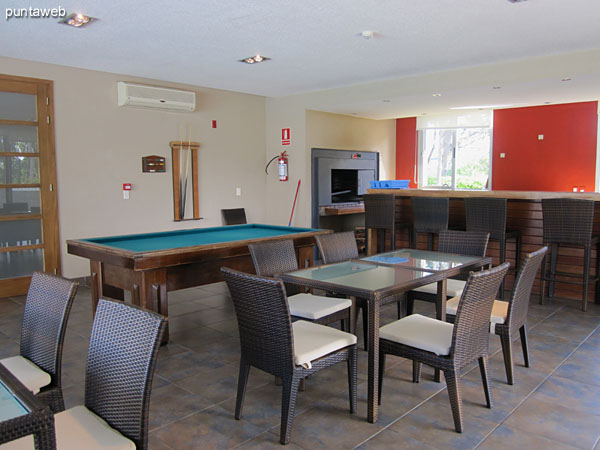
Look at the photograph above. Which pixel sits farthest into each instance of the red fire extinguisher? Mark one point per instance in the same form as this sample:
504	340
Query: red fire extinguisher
283	166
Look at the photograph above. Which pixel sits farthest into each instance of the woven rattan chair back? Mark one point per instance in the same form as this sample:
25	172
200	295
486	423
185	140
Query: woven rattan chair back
568	221
487	215
380	211
264	321
337	247
47	309
519	301
470	338
271	258
235	216
467	243
430	214
121	360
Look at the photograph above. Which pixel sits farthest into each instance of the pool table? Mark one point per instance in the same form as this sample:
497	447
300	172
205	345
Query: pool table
150	265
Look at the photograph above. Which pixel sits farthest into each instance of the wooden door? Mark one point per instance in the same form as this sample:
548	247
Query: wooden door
28	198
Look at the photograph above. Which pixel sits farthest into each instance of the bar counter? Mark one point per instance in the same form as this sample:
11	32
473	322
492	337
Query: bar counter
524	213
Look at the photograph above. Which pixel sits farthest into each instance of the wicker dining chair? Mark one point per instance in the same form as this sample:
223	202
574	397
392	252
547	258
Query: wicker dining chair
38	366
445	346
291	351
488	215
466	243
120	364
569	222
430	215
235	216
273	258
510	317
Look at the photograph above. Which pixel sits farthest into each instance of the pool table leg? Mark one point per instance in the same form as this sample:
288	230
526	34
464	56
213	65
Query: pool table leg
95	283
305	256
144	281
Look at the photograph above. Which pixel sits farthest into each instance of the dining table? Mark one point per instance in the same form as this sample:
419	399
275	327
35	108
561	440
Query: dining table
22	414
377	277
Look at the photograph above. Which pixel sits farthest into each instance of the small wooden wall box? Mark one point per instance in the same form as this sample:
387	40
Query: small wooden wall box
153	163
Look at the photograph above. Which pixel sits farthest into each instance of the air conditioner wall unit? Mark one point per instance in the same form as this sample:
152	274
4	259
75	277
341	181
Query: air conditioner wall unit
143	96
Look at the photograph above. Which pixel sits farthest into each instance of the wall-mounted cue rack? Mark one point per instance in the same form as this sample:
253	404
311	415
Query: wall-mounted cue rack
185	165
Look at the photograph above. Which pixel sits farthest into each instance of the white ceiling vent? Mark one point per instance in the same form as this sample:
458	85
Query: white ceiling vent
142	96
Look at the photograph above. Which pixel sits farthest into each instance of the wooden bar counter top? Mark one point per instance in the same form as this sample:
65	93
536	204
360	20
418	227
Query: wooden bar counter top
524	213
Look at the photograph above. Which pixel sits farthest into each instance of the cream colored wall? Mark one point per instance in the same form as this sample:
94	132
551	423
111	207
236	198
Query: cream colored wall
336	131
282	113
314	129
99	146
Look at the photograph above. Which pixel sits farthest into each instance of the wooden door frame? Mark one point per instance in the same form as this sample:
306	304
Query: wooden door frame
44	91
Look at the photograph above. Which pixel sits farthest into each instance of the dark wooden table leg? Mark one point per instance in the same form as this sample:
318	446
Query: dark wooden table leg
440	313
95	283
373	357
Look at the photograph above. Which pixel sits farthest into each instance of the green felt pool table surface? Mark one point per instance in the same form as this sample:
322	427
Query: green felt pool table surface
195	237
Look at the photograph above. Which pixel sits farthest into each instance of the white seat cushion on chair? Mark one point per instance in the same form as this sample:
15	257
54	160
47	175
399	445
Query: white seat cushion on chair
499	311
421	332
312	341
314	307
79	429
453	288
27	373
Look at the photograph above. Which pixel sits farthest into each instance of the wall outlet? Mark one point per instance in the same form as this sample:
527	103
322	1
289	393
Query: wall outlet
502	155
238	192
540	137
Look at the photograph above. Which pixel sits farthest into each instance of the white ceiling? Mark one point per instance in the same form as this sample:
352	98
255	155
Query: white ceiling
458	48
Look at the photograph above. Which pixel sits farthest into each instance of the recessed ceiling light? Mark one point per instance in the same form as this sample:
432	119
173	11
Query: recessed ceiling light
437	95
367	34
566	79
254	59
77	20
496	87
386	100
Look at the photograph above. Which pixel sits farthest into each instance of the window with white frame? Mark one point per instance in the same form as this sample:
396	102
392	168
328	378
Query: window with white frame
455	151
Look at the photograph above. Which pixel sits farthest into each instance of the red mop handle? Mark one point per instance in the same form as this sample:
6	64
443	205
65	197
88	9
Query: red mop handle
294	206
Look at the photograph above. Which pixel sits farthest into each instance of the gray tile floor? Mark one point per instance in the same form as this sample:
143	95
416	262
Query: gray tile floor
554	404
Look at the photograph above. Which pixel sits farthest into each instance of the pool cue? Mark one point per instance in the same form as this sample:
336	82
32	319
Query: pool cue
294	206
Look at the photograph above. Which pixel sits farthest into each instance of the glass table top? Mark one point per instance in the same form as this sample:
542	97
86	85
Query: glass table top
355	274
10	406
421	259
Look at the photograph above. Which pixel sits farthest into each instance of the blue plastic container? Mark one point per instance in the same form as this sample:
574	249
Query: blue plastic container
389	184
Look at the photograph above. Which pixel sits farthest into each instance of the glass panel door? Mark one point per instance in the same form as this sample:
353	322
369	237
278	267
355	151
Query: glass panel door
28	218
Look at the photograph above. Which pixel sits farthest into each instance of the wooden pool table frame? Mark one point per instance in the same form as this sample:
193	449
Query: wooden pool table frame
149	275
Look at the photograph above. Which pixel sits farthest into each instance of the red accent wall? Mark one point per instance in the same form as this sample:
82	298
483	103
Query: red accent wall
406	149
566	157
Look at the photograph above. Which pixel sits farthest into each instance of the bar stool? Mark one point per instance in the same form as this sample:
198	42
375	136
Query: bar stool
569	222
430	215
380	215
489	215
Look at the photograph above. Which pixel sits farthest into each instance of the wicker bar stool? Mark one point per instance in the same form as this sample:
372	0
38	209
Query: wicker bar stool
489	215
569	222
430	215
380	215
